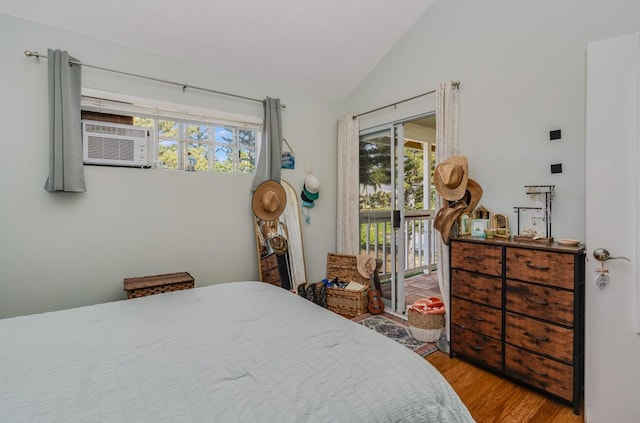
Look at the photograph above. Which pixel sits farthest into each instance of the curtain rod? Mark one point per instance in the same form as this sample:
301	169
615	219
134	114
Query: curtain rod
455	85
37	55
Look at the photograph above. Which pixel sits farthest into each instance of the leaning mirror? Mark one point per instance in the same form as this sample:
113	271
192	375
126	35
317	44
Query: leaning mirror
279	241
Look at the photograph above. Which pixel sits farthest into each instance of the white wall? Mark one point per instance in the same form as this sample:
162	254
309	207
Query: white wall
521	65
522	68
64	250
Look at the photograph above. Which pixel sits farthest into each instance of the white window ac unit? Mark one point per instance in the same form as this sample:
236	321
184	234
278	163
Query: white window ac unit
106	143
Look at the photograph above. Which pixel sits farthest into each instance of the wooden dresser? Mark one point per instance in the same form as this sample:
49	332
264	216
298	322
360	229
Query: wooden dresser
517	308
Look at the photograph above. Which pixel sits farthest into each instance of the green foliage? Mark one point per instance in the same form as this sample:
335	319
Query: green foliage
200	140
374	171
375	174
380	239
144	122
413	179
199	151
168	154
375	160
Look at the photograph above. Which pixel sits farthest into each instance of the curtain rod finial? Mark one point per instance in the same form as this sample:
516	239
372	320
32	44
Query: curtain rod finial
30	53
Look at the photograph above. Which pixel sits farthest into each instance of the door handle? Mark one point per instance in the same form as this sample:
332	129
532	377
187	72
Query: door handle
601	254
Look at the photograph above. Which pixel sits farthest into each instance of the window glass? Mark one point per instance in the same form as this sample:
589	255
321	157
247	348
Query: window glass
223	159
216	148
224	135
168	154
167	129
246	138
246	161
197	132
201	153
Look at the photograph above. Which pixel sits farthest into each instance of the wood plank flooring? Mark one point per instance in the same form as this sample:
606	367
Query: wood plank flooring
491	398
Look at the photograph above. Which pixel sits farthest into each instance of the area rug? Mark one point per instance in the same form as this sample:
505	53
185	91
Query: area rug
397	329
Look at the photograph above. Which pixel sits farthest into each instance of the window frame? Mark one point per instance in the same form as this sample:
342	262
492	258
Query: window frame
183	116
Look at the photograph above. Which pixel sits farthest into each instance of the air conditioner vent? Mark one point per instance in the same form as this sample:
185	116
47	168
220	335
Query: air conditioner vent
119	130
114	144
109	148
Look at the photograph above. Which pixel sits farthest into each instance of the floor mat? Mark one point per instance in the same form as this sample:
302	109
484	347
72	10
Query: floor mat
397	329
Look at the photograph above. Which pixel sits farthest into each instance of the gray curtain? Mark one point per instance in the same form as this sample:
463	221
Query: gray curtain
66	172
270	154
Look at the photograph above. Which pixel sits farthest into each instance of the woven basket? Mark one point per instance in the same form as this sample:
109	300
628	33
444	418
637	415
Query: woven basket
425	327
345	268
347	303
156	284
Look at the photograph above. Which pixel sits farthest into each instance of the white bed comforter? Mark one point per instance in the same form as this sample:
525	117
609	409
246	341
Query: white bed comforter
236	352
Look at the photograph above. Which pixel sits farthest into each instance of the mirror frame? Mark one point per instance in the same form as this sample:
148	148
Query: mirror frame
289	226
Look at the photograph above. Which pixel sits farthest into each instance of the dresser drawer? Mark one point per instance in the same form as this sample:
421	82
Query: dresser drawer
477	347
480	258
553	305
545	267
269	262
477	287
272	276
544	373
539	337
477	318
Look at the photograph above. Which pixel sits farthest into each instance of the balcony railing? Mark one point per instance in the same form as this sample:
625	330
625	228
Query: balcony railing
419	239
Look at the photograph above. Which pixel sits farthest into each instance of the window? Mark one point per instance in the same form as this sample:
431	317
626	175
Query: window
219	148
220	142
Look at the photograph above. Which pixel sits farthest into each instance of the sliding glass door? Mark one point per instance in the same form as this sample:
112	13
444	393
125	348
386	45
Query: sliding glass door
396	206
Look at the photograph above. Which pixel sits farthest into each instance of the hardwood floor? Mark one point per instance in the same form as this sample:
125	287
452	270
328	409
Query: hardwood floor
490	398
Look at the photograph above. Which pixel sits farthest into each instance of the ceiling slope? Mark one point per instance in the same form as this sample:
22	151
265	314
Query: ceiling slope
322	47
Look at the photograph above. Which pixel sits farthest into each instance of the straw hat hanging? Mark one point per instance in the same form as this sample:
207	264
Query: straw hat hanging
269	200
451	177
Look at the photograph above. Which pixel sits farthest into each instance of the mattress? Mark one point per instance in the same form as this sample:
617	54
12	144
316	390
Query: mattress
233	352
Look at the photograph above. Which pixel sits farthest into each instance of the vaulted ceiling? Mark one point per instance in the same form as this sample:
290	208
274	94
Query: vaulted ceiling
323	47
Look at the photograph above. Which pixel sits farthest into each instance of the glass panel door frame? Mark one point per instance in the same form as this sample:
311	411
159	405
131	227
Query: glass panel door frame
397	255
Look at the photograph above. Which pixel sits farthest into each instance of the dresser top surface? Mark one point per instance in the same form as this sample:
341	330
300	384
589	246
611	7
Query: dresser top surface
547	246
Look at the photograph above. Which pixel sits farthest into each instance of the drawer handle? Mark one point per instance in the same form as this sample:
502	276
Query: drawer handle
477	288
477	348
535	267
543	374
538	337
475	258
542	303
478	318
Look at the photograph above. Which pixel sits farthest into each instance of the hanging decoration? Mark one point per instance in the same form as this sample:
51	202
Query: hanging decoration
288	157
310	192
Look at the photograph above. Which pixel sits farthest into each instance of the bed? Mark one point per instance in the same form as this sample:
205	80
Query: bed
233	352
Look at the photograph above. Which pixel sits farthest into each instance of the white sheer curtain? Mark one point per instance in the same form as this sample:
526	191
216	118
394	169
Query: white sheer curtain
348	232
447	106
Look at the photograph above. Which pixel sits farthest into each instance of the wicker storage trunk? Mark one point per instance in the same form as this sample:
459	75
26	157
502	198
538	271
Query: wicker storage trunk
346	303
156	284
345	268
